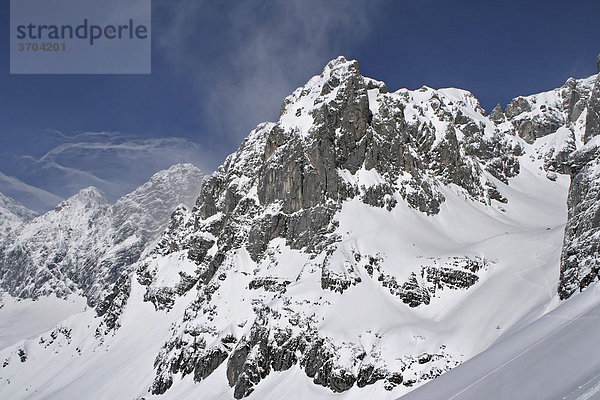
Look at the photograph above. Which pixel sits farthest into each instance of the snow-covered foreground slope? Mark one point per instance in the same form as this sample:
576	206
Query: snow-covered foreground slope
25	319
360	247
555	357
69	361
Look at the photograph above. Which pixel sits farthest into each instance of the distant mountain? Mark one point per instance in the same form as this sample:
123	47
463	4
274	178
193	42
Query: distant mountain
85	243
364	244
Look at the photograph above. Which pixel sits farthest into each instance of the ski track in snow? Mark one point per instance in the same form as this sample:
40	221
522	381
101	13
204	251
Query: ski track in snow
571	321
591	393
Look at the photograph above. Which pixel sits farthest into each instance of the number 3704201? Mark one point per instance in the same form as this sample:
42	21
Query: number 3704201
23	46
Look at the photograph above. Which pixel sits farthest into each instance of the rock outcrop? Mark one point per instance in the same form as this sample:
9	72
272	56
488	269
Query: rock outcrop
580	261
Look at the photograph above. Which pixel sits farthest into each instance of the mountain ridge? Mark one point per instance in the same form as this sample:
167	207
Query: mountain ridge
12	214
64	244
358	244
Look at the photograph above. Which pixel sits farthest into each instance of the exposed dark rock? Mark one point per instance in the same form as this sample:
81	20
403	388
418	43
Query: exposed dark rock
516	107
450	277
456	273
336	282
497	115
580	259
208	362
255	356
22	355
111	307
592	125
368	375
269	284
493	193
393	380
198	249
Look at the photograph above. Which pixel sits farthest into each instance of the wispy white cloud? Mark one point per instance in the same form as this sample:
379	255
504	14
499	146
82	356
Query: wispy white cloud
112	162
30	196
274	47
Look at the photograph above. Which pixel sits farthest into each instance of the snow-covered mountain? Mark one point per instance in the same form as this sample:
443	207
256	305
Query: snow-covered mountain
85	243
362	245
12	215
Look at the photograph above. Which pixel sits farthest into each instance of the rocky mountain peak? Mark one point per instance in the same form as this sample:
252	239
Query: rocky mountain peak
174	177
339	79
86	198
8	205
497	115
145	210
539	115
342	140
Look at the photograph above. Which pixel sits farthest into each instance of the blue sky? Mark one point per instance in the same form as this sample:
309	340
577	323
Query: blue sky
221	67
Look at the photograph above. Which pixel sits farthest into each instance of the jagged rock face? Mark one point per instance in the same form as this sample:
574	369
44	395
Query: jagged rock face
566	113
541	114
580	264
497	116
592	122
580	261
340	138
86	244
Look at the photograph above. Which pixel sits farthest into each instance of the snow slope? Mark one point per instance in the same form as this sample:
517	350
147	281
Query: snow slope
26	319
551	358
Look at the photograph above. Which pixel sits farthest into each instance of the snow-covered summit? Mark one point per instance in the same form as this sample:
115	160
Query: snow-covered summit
13	207
298	108
149	206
